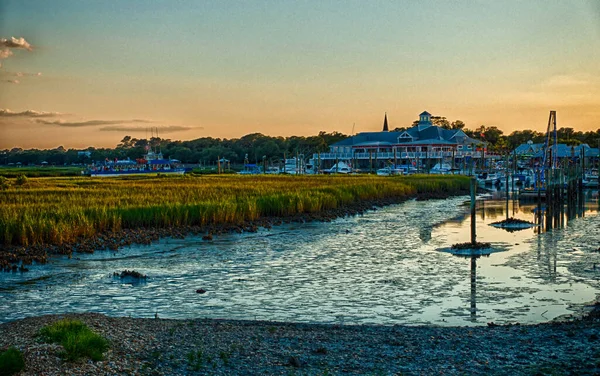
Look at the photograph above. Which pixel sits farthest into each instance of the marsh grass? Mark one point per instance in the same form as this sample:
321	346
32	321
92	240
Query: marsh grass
63	210
76	338
11	361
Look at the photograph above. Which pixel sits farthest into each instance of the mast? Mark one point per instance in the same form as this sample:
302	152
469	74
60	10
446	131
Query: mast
550	132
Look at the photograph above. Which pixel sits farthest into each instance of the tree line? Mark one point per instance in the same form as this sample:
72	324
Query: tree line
252	148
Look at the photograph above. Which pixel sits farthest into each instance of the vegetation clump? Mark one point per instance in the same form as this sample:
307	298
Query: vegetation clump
21	179
469	245
512	221
76	338
11	362
131	274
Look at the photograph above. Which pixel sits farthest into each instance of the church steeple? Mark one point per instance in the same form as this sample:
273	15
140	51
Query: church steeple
385	123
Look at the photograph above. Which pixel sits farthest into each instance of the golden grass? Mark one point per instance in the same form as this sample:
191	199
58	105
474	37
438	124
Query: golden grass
62	210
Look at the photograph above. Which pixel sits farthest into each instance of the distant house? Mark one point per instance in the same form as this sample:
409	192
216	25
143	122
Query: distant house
563	151
417	145
528	150
534	153
84	154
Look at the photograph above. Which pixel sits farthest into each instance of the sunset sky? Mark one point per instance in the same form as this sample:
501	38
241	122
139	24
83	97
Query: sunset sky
87	73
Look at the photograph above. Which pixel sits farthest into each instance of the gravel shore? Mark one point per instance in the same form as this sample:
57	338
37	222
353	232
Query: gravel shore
229	347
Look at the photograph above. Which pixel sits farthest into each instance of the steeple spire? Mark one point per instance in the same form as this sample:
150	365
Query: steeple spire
385	123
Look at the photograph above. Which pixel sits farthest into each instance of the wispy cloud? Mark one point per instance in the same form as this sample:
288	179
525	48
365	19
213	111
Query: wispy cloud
568	81
16	43
25	74
89	123
164	129
29	113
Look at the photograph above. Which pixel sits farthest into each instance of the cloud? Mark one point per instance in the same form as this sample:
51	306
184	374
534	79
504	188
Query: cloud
165	129
25	74
90	123
29	113
5	53
13	42
7	44
567	81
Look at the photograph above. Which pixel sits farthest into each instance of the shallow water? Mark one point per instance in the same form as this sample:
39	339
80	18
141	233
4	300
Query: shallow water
383	267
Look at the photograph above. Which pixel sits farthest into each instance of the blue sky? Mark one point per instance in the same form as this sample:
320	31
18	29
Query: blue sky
229	68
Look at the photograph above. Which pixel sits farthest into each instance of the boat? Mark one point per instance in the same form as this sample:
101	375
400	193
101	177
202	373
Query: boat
488	178
590	179
389	171
151	164
441	169
293	166
339	168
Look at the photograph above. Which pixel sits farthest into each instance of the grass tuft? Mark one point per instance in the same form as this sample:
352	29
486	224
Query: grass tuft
11	362
76	338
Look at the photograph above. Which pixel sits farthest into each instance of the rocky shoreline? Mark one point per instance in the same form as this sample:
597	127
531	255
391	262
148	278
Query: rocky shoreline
18	258
230	347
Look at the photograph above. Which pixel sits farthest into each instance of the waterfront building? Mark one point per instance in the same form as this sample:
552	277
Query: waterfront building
421	146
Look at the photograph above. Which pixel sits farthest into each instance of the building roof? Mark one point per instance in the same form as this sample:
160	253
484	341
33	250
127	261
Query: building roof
528	149
565	151
429	135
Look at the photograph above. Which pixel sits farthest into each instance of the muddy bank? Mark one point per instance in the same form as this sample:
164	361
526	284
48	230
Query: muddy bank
16	259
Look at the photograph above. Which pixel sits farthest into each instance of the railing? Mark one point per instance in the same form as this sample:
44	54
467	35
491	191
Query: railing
404	155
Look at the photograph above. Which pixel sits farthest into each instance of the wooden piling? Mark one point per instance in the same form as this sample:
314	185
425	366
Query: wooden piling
473	286
473	193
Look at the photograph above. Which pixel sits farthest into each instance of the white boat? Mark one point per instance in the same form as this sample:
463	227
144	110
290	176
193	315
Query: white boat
441	168
292	166
389	171
488	178
339	168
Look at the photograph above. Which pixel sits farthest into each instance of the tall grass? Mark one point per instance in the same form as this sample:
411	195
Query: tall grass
62	210
76	338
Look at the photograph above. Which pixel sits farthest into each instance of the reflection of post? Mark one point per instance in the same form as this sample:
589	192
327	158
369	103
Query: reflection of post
473	286
506	182
473	190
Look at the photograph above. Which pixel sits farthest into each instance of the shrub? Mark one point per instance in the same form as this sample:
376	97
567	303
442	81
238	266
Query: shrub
76	338
21	179
11	362
3	182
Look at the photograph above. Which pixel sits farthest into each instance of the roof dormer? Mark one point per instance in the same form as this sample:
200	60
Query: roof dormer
424	120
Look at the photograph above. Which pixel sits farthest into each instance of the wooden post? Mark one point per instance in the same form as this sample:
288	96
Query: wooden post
473	286
539	200
473	212
218	164
506	181
318	163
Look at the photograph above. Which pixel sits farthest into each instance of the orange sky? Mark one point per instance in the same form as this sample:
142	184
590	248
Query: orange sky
90	73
